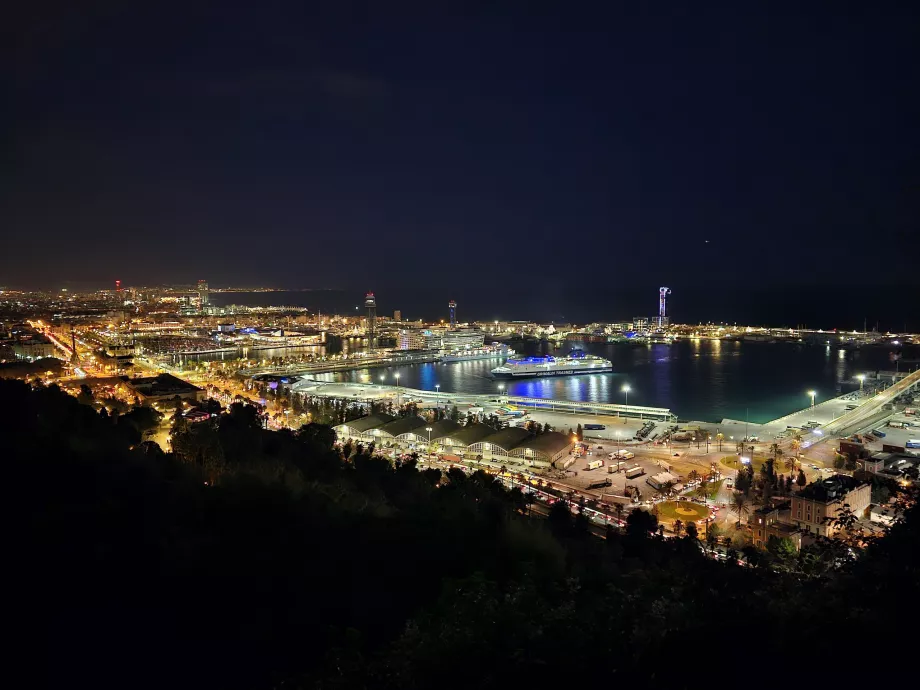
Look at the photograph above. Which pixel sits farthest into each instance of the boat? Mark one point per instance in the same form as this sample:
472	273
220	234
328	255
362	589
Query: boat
576	363
478	353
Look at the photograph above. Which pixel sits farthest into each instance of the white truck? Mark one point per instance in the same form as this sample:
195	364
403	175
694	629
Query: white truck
594	464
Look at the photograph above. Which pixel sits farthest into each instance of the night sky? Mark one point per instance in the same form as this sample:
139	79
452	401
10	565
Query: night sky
748	155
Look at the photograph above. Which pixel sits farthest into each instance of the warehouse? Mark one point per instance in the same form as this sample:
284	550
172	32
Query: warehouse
362	429
544	450
405	429
500	444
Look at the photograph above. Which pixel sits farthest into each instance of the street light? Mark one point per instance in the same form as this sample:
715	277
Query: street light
626	390
862	378
428	429
812	394
398	404
501	391
437	387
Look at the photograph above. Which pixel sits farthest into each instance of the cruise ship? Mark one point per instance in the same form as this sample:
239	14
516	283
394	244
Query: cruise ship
576	363
479	353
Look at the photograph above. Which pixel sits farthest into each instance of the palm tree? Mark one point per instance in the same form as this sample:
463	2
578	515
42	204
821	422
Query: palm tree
720	437
796	444
678	526
776	450
704	486
740	504
712	534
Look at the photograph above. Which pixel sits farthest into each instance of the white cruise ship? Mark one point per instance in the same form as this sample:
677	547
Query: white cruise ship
479	353
576	363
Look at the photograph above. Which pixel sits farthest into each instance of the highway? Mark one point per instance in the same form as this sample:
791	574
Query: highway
871	409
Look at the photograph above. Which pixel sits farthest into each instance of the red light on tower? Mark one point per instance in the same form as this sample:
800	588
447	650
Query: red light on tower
117	286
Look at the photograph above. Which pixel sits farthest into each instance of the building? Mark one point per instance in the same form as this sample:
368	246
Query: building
370	304
766	523
204	295
464	339
544	450
883	514
452	309
418	339
513	444
151	389
410	429
362	429
663	479
459	440
816	506
397	315
499	444
33	347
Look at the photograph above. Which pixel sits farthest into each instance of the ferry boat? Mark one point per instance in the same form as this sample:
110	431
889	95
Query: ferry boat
478	353
576	363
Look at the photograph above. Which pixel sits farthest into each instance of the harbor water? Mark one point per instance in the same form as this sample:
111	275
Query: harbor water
697	379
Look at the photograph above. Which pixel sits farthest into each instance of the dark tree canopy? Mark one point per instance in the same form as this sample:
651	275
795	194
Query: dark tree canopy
258	559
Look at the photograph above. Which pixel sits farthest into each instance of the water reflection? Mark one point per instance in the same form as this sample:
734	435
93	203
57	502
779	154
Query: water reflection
704	379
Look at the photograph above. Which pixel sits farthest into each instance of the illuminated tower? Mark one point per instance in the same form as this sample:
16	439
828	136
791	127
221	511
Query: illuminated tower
117	286
452	305
370	303
662	306
204	297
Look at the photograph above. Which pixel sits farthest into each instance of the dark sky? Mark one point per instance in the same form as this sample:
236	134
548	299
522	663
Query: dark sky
695	145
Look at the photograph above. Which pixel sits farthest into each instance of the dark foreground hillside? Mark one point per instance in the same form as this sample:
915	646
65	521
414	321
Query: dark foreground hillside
262	560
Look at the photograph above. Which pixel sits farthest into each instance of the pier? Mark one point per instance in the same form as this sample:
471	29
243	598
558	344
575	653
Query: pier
374	391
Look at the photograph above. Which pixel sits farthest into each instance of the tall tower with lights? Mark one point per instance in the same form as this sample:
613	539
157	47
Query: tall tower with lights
663	293
370	303
204	293
452	306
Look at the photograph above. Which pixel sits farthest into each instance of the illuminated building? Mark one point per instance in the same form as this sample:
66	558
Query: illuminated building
370	303
204	298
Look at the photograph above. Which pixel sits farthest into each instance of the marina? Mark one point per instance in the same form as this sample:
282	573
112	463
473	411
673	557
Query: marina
706	380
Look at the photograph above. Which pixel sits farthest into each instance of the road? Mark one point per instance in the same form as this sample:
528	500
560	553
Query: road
867	412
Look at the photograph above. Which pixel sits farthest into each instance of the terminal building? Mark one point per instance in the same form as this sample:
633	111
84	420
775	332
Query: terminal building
513	444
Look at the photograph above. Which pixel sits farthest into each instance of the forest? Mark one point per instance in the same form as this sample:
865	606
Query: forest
252	558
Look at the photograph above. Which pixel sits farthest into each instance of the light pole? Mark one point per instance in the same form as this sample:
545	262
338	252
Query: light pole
428	449
862	379
618	444
812	394
398	404
626	390
501	391
437	387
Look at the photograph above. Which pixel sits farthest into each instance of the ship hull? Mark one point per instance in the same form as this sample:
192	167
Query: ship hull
560	372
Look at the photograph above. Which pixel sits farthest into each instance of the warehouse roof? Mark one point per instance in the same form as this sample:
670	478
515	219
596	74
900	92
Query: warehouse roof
506	439
403	425
370	422
443	429
472	433
549	443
